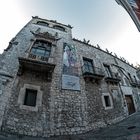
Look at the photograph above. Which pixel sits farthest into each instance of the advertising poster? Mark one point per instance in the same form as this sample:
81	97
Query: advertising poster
70	77
70	63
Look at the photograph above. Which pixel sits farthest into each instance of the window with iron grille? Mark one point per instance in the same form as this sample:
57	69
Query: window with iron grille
41	48
88	65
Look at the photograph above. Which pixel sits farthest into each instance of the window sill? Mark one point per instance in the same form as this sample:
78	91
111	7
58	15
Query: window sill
108	108
29	108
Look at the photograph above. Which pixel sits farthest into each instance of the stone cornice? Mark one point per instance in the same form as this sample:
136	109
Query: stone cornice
107	52
54	21
45	35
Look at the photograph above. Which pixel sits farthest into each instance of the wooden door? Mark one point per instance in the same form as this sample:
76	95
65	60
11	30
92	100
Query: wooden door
130	104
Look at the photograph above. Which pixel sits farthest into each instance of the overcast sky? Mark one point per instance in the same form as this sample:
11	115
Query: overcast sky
102	22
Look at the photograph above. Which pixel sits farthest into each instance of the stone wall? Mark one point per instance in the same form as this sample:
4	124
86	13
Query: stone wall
101	57
61	111
26	121
95	109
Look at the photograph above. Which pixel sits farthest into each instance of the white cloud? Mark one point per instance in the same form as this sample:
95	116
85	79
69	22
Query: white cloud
12	20
126	44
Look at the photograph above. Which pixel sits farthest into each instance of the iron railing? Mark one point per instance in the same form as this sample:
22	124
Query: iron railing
93	71
134	82
37	57
112	77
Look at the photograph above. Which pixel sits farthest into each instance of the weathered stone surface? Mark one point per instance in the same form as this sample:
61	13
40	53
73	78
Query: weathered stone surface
62	111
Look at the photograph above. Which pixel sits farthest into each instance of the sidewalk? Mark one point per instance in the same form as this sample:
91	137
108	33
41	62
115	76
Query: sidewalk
128	129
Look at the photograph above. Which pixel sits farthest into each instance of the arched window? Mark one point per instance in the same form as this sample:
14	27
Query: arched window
59	27
43	23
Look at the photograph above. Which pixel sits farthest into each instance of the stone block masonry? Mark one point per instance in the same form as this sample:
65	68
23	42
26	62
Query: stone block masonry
32	99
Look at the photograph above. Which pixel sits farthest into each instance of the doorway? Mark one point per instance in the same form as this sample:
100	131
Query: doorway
130	104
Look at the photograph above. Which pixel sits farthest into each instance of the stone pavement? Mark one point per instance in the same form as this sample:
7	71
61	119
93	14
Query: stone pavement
128	129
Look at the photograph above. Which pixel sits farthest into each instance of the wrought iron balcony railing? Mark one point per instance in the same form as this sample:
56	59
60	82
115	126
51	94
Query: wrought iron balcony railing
95	73
37	57
112	77
38	64
134	82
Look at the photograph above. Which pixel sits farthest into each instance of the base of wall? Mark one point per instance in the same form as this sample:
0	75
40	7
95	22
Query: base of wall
67	131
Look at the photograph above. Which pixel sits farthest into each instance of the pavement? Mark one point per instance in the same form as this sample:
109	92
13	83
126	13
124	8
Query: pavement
128	129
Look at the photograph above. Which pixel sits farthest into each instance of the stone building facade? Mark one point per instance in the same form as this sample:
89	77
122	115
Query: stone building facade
53	84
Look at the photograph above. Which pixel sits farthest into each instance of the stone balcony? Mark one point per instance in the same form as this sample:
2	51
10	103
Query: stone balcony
40	58
95	74
134	82
36	63
112	78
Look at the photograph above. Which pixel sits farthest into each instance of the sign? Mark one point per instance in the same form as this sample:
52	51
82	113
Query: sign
70	82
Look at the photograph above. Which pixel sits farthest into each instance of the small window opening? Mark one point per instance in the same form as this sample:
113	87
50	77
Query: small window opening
130	76
107	101
30	97
59	28
108	71
88	65
42	23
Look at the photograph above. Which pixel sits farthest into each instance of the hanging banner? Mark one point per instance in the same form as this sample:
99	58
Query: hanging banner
70	62
70	76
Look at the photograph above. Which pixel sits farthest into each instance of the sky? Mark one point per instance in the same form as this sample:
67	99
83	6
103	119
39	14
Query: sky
103	22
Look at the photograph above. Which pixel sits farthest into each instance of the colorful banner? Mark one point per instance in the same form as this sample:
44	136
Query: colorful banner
70	76
70	63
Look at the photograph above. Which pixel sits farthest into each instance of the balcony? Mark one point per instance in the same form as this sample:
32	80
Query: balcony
112	77
95	73
35	63
134	82
138	84
38	58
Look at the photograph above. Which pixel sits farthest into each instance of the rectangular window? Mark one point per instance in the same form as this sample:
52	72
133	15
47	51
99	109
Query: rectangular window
107	101
130	76
135	79
30	97
88	65
108	71
41	48
43	23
